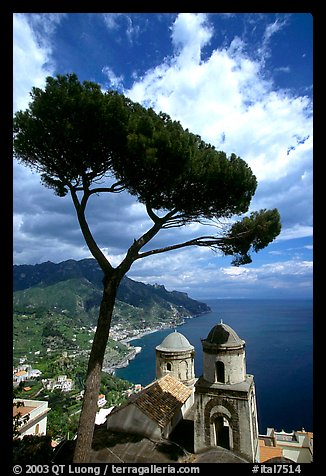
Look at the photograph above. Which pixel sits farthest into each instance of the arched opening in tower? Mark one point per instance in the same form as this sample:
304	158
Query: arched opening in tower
222	432
220	371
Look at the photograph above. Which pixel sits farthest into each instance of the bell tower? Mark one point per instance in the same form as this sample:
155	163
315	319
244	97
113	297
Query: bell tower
225	400
175	356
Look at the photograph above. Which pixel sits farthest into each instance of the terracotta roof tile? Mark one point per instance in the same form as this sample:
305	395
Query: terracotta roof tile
161	399
268	452
20	373
23	410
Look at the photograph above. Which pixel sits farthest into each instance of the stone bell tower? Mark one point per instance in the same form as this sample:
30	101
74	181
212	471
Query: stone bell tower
175	356
225	400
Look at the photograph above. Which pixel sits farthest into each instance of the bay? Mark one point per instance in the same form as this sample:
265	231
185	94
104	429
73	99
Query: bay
279	353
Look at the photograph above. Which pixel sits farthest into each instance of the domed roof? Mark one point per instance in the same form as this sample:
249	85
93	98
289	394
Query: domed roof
224	335
175	342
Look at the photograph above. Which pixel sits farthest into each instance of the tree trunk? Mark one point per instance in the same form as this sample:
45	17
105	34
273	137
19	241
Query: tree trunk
94	372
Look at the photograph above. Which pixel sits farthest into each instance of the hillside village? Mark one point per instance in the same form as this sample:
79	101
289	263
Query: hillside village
55	313
160	413
48	401
52	339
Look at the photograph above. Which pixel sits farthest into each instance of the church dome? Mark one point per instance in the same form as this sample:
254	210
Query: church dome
175	342
224	335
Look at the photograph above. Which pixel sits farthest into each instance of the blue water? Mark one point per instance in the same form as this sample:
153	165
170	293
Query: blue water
279	347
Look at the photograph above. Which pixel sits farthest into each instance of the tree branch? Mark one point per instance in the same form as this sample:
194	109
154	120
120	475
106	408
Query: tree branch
133	252
91	243
200	241
115	188
151	214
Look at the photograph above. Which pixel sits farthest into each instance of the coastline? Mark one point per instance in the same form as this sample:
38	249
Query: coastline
134	350
261	320
151	331
126	340
137	349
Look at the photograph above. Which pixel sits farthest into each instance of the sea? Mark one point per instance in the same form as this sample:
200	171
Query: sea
279	353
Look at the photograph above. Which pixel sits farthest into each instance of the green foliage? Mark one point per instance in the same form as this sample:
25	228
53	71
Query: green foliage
74	134
68	131
170	168
254	232
61	316
64	415
62	419
18	420
75	297
73	289
113	383
32	450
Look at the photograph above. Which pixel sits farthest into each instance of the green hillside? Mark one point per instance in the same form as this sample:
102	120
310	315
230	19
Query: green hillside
131	292
56	307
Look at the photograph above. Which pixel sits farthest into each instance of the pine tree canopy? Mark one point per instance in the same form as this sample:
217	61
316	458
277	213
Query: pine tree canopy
75	135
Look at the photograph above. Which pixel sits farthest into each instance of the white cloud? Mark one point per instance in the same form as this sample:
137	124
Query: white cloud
291	267
228	101
116	82
240	274
296	231
30	62
115	21
190	33
202	274
273	28
32	50
111	20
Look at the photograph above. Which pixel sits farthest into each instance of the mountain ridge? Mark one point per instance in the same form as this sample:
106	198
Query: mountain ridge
131	292
56	307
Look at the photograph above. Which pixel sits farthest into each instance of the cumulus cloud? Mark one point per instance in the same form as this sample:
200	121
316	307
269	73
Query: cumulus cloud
227	99
115	82
190	33
31	62
196	271
224	95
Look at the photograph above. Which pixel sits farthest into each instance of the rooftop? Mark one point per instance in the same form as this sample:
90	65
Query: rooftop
223	335
115	447
161	399
268	450
23	410
175	342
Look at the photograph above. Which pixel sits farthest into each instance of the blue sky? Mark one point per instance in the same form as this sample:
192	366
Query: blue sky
241	81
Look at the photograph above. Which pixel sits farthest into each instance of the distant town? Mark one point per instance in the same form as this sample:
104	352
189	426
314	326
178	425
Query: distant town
48	402
54	326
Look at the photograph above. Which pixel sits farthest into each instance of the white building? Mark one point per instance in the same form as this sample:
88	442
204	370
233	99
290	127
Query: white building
25	372
33	415
102	414
296	446
67	385
20	376
62	383
101	400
